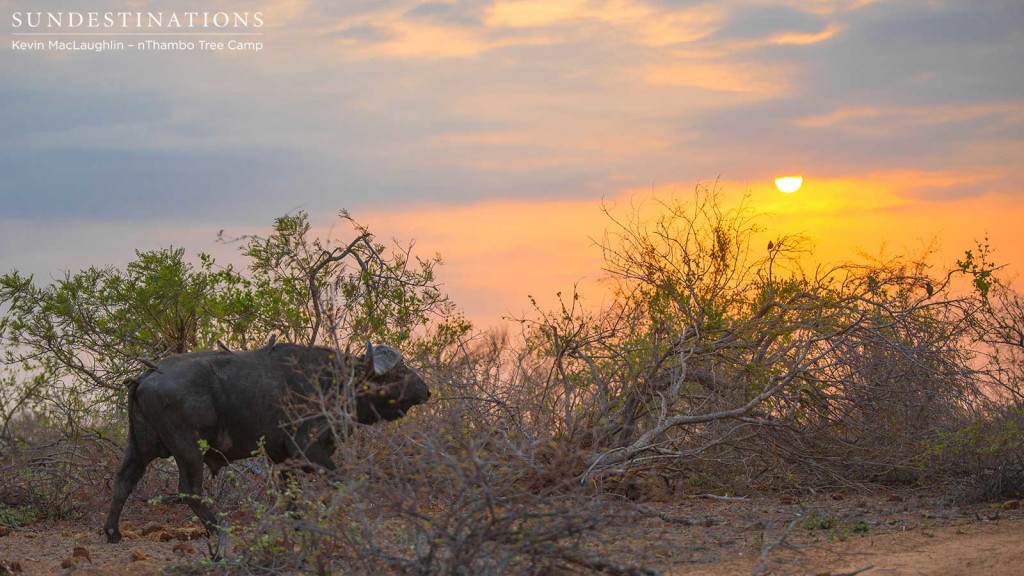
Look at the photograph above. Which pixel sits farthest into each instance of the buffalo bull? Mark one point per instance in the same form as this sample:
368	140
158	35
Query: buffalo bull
217	407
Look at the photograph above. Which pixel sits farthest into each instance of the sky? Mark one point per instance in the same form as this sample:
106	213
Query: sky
494	132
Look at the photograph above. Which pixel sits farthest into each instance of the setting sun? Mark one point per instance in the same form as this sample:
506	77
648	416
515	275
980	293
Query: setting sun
789	184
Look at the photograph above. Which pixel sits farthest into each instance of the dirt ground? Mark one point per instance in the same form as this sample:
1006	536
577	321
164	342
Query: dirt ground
879	534
920	546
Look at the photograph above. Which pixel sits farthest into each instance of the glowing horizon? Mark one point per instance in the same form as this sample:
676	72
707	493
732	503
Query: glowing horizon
546	247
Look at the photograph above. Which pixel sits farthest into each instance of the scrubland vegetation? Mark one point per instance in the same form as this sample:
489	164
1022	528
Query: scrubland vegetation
719	367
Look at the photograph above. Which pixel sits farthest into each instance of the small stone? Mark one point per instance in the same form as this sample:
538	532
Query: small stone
153	527
139	555
81	552
189	533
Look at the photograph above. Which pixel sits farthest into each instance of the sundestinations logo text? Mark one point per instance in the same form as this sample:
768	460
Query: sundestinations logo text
126	21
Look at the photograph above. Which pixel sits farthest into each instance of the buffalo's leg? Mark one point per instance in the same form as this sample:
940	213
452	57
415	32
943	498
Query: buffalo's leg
286	482
313	444
320	455
190	484
306	455
128	475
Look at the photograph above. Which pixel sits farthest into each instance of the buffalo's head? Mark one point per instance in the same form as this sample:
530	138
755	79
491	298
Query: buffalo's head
387	388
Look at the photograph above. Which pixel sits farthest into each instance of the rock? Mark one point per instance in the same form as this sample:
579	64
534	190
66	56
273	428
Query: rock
138	555
1011	505
189	533
153	527
5	531
184	548
69	562
82	552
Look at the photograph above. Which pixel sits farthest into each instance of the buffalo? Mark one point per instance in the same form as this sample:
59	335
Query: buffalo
217	406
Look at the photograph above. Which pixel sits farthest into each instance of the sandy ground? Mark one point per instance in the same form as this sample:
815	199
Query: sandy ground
895	534
990	548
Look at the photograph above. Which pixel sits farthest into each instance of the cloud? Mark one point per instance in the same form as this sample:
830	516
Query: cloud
920	54
117	185
885	91
916	25
25	111
720	76
364	34
534	13
765	21
453	13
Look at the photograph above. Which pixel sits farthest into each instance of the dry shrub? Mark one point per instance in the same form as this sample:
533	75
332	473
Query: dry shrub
986	456
53	475
48	472
721	365
434	494
467	484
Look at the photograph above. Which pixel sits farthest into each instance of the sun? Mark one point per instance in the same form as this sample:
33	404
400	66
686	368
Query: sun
789	184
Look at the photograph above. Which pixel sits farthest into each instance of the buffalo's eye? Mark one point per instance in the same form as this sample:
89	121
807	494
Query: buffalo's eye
392	401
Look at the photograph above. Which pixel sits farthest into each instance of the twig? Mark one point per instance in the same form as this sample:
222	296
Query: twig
767	548
666	517
599	564
851	573
717	497
326	258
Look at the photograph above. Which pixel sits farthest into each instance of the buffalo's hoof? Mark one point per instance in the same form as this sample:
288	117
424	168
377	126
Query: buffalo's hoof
113	535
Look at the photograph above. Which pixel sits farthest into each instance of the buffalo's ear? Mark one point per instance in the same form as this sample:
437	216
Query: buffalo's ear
369	357
384	359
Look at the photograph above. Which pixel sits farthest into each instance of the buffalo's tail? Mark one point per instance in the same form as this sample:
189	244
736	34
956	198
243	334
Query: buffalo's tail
133	385
141	436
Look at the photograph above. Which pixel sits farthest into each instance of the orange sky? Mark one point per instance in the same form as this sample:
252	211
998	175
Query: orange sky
498	252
